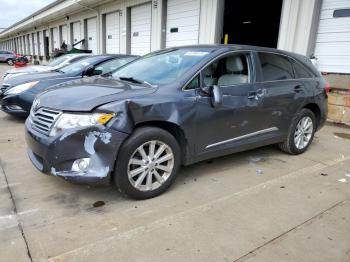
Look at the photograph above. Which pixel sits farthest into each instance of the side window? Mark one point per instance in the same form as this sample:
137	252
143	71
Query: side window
193	84
228	71
275	67
300	70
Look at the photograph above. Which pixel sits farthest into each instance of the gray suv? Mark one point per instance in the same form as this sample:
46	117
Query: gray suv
7	56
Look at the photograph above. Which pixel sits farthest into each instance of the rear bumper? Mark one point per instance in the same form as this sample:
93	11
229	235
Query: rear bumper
56	155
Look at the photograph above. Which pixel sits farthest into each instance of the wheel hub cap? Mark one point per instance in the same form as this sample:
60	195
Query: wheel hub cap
303	132
150	165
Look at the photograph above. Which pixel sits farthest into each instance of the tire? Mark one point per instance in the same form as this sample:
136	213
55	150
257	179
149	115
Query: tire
160	180
10	62
291	145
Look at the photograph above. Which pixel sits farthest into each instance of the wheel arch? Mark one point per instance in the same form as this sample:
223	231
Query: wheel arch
313	107
175	130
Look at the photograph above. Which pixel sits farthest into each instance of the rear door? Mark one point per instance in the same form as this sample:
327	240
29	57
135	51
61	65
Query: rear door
278	94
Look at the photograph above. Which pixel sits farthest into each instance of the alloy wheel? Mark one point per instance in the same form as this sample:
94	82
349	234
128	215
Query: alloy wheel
303	132
150	165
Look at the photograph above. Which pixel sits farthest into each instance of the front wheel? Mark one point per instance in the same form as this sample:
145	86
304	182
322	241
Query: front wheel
301	133
10	62
147	163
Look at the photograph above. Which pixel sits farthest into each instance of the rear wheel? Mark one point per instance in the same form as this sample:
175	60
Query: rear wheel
148	163
10	62
301	133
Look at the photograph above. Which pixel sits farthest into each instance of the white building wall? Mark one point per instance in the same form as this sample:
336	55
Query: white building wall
297	26
332	48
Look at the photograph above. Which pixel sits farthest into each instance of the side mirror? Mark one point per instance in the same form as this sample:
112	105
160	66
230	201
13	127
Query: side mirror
89	72
216	96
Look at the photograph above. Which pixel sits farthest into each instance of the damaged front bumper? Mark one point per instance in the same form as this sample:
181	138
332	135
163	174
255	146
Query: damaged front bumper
57	155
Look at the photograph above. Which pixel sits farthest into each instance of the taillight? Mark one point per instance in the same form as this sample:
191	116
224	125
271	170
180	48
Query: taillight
327	88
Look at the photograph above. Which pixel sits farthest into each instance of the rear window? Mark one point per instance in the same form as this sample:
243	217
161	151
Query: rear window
275	67
300	71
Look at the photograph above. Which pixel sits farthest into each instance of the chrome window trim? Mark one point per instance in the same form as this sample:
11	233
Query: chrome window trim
264	131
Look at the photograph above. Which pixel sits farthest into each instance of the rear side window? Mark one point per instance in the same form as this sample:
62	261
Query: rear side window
275	67
300	71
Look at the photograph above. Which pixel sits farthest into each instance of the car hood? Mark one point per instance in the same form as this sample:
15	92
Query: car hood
87	94
33	77
30	69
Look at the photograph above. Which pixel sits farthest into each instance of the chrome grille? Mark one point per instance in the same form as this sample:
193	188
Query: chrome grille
43	119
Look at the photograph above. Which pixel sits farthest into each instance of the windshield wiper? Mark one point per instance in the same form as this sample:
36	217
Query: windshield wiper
59	71
134	80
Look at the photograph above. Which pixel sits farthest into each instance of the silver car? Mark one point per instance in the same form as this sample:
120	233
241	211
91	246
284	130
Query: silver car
7	56
55	64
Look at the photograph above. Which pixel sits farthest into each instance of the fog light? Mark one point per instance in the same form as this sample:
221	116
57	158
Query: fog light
80	165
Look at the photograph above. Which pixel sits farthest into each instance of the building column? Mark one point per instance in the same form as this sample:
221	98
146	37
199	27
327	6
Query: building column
299	21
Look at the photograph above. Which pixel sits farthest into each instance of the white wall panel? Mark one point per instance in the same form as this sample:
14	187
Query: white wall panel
112	36
91	31
182	24
332	48
76	27
141	19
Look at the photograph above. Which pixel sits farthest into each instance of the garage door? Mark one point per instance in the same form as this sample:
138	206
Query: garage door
36	47
64	34
333	37
112	36
141	18
92	34
55	41
182	22
41	43
29	41
76	34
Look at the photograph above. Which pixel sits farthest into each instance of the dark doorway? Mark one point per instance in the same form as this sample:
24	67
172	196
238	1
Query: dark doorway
252	22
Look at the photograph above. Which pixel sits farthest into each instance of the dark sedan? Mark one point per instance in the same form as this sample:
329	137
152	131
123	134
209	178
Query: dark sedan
176	107
18	93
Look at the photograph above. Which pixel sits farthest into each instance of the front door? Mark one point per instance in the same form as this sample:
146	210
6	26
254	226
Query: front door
220	128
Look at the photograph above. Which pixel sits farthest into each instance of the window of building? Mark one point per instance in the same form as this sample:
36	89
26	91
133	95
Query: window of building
275	67
341	13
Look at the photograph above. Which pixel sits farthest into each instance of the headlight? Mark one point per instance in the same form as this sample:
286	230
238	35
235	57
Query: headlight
20	88
68	121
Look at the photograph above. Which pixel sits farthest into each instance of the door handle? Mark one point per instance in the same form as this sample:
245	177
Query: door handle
298	89
256	95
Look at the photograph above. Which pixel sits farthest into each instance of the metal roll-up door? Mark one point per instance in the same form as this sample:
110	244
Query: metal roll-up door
64	34
55	41
41	43
36	46
76	29
141	20
332	48
92	34
182	26
112	35
29	41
